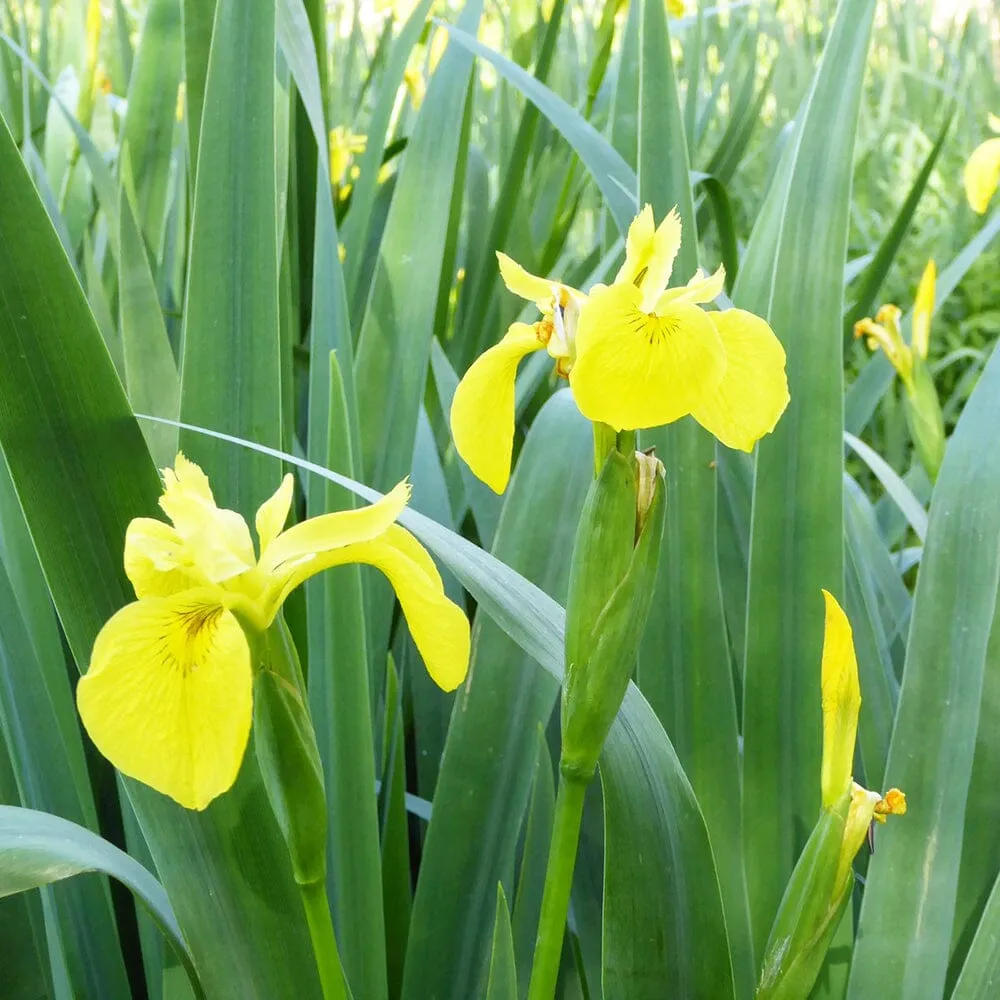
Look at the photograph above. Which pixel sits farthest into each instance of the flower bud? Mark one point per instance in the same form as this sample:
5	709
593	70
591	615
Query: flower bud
923	416
288	756
611	587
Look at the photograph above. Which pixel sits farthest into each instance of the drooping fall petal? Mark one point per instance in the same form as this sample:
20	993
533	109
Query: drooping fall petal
982	174
841	693
482	410
639	369
753	393
168	695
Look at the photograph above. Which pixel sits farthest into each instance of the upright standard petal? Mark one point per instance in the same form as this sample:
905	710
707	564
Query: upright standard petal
923	309
273	512
982	174
219	539
157	561
482	410
290	555
753	393
841	703
638	369
168	695
541	291
650	253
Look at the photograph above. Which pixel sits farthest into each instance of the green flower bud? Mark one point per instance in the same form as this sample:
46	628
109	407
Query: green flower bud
923	416
289	759
610	590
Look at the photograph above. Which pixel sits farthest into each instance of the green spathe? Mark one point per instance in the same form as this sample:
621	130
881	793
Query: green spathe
610	590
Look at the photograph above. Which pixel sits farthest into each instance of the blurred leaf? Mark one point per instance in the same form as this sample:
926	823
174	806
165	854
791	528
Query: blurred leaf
502	982
793	274
980	976
909	904
911	507
37	849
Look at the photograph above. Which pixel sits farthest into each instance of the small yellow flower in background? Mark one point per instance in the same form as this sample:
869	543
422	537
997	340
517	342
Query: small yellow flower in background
675	8
636	355
982	172
413	80
923	310
648	355
884	331
344	145
841	705
168	696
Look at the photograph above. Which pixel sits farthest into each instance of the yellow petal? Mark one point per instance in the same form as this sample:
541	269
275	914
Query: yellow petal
753	393
701	288
675	8
923	308
528	286
981	175
219	540
482	410
635	369
168	697
841	703
273	513
439	627
292	557
650	254
893	803
859	818
157	561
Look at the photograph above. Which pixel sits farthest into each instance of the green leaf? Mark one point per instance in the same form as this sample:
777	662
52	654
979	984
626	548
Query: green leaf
684	667
231	319
152	107
502	982
394	343
485	777
198	19
229	882
980	978
793	274
38	849
906	919
610	172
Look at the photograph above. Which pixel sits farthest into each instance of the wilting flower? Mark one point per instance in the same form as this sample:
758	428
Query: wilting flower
884	332
168	696
344	145
982	172
636	355
841	706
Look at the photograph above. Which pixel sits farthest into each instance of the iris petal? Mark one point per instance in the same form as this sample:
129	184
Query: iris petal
636	369
982	174
923	308
841	703
482	410
273	512
748	401
157	561
168	695
650	253
527	286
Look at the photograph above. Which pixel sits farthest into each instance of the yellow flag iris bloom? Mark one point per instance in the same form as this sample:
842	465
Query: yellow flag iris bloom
168	696
344	146
841	693
982	172
636	354
675	8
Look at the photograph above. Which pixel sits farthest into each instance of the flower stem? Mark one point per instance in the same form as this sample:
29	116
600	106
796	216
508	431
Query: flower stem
558	884
331	973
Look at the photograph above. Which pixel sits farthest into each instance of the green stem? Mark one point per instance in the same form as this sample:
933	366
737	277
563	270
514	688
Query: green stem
558	884
331	973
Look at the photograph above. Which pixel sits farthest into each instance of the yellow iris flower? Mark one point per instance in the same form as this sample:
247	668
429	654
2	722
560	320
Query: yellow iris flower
168	696
636	355
675	8
885	332
344	146
982	172
841	693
